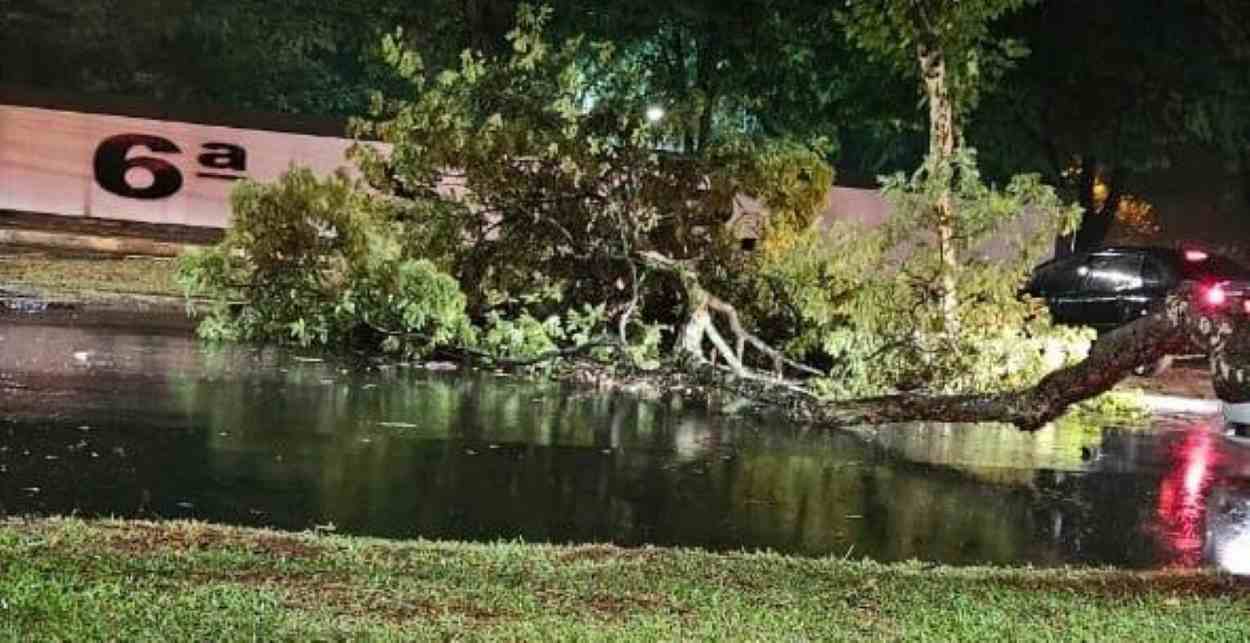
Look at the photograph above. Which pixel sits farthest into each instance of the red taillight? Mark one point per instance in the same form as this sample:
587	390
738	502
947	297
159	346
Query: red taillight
1215	296
1195	255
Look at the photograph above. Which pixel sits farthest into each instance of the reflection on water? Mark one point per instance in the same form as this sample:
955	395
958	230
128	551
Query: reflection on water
101	421
1181	507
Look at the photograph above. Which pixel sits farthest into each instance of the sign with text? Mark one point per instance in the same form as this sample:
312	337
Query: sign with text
134	169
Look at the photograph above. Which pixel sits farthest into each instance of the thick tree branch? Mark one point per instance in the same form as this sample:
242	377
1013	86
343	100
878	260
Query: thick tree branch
699	325
1030	409
1112	358
1178	326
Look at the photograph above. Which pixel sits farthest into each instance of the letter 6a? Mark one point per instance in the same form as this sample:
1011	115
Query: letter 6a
111	166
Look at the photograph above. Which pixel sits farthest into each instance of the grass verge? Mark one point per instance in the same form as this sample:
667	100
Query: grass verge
76	580
51	275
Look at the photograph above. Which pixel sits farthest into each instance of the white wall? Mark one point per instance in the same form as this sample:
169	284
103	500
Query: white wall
48	165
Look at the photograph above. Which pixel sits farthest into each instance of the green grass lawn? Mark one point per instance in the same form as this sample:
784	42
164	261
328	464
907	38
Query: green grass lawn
53	275
74	580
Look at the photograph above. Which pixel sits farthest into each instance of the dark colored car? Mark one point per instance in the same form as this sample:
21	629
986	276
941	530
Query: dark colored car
1109	287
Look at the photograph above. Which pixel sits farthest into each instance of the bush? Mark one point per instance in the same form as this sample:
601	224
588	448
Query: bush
312	261
325	262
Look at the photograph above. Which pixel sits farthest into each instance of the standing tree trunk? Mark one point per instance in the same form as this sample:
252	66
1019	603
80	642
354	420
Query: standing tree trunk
706	82
942	141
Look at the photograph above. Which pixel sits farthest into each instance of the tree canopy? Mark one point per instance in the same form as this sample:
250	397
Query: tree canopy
783	68
1114	92
316	57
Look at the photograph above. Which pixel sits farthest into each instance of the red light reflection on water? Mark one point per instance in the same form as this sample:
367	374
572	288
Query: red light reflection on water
1181	505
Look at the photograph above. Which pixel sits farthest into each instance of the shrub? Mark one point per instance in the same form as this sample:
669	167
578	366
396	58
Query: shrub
313	261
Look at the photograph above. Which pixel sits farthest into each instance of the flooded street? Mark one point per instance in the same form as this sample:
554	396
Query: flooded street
108	420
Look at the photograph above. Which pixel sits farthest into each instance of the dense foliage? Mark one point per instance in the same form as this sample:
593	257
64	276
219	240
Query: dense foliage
519	202
900	31
314	262
1123	105
865	302
534	179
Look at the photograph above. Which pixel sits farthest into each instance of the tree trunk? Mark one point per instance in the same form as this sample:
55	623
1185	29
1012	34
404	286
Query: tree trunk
1112	358
705	119
706	81
1181	324
1226	341
942	141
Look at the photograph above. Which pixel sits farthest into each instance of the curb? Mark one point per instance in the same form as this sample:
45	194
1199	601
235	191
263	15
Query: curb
1178	404
91	243
153	313
89	301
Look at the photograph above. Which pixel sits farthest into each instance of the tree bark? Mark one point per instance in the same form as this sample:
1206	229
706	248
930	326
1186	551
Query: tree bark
1112	358
1225	338
708	86
700	326
942	142
1180	325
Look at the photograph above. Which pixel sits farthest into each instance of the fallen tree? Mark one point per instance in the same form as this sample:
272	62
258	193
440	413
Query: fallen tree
1183	324
343	288
574	237
1112	359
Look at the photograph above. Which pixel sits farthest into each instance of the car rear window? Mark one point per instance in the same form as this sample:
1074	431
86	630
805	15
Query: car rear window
1057	276
1213	267
1113	273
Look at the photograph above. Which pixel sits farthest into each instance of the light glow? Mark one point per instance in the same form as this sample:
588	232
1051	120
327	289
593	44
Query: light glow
1215	296
1180	504
1195	255
655	113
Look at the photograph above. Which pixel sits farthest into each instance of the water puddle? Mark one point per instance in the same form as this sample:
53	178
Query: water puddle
121	421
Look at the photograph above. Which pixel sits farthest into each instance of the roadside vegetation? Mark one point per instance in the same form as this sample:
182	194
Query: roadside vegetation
70	579
527	213
60	274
